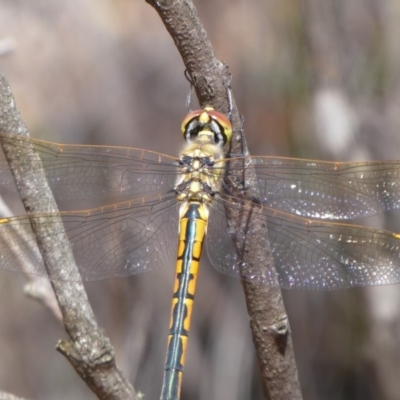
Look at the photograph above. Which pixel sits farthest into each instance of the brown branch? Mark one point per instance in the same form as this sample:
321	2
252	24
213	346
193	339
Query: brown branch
268	319
208	74
88	351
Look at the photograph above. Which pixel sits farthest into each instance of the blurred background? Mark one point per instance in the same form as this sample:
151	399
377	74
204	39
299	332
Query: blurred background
313	78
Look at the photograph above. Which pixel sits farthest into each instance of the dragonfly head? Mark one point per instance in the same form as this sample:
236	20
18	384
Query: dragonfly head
207	125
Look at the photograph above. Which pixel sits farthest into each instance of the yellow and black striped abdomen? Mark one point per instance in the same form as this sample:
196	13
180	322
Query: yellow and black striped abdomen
192	230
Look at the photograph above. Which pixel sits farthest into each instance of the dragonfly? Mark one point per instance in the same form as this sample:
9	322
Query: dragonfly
156	208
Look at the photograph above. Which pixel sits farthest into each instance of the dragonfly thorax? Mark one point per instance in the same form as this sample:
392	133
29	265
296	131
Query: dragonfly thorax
201	165
202	161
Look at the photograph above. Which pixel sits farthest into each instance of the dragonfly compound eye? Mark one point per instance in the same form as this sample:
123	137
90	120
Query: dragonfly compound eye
207	120
223	122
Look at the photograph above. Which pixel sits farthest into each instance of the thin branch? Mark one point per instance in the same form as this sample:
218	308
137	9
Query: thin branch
89	351
268	319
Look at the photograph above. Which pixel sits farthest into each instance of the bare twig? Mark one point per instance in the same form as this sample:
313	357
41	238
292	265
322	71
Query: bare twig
268	318
89	351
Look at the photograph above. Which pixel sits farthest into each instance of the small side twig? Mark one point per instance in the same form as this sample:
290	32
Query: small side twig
88	351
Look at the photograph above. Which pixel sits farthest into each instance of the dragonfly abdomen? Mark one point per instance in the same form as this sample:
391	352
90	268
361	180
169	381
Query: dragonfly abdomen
192	230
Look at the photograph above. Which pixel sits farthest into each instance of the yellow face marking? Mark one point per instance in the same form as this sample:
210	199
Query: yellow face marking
4	220
204	117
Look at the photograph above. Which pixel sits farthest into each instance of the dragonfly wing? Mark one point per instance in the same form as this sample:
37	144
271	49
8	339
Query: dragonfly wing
113	241
220	249
309	254
78	172
222	252
320	255
328	190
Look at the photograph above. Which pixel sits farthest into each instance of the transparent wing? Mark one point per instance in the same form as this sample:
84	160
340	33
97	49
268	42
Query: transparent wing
134	236
119	240
308	188
78	172
327	190
311	254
